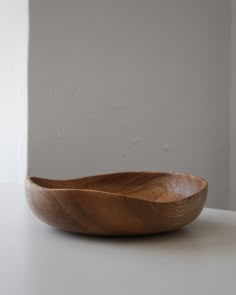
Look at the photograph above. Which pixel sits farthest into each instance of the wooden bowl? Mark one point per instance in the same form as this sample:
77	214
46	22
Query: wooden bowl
128	203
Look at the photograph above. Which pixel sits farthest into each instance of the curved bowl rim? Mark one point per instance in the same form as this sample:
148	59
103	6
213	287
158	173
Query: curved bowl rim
30	180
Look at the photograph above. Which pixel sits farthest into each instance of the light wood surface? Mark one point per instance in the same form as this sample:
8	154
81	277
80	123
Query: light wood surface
129	203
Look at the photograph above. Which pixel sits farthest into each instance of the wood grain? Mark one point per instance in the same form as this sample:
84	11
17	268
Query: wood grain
127	203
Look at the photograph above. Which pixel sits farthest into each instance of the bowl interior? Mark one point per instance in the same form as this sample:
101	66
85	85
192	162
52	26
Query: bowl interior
161	187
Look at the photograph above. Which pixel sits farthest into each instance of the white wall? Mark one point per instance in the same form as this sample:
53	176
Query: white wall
130	85
233	108
13	89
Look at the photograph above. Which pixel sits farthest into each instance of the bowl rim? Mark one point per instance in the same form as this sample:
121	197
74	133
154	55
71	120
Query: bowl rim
30	180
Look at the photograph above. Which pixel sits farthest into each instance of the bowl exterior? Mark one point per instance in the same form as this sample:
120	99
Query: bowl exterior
99	213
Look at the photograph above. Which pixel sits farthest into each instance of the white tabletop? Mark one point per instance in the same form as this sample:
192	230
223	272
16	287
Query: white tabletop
36	259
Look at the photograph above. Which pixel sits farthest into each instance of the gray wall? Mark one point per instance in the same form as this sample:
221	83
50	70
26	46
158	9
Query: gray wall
232	109
130	85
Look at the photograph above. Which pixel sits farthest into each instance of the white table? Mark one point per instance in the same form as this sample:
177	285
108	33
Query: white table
38	260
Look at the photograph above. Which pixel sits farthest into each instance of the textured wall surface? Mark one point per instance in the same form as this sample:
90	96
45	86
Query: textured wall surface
13	89
130	85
